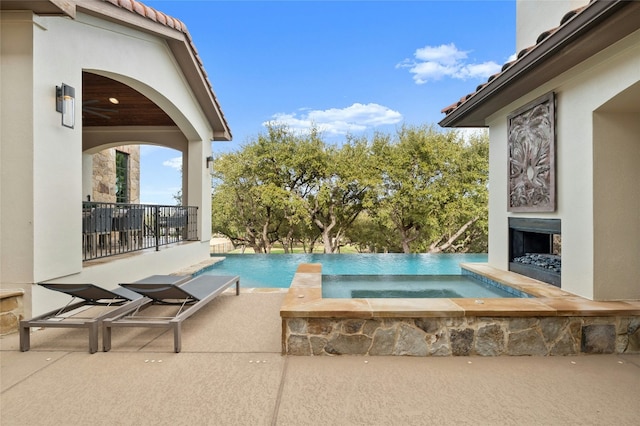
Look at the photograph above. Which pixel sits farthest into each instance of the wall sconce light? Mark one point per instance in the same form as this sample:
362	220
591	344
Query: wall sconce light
209	161
66	104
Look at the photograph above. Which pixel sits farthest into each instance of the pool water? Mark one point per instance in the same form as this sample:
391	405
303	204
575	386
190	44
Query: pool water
407	286
277	270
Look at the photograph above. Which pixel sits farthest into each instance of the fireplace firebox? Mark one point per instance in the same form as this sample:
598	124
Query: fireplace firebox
534	248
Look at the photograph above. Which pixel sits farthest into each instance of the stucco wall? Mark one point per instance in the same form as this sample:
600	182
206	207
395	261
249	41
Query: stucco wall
580	92
16	151
616	193
498	174
57	158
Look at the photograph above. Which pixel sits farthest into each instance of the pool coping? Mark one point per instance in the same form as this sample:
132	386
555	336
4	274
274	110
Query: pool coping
304	300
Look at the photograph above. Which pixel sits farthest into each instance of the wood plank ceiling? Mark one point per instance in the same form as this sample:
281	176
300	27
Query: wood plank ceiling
132	107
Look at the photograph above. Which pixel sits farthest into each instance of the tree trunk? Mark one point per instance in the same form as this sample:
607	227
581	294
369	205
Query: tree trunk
335	247
326	230
435	248
287	244
326	241
265	238
252	241
405	238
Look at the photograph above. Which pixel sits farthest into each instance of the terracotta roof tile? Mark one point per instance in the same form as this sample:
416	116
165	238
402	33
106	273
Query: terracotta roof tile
545	34
139	8
566	18
145	11
449	108
525	51
161	18
151	14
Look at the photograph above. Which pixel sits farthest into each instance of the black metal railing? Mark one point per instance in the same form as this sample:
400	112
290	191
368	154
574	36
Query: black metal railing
109	229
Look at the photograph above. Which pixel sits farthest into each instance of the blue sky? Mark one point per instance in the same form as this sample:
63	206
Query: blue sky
349	67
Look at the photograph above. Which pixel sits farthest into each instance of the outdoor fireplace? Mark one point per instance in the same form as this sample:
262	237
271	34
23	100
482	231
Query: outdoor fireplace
534	248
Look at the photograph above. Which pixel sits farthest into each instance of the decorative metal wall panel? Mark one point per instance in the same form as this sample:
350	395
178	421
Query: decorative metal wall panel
532	186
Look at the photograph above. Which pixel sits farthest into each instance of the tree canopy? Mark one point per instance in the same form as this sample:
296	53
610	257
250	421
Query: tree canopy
419	190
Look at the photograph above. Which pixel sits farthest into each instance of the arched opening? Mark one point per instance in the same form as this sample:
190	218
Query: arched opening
120	125
116	119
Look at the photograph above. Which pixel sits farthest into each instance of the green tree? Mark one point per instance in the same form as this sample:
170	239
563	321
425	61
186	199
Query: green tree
224	218
345	188
265	184
245	204
420	191
369	234
430	182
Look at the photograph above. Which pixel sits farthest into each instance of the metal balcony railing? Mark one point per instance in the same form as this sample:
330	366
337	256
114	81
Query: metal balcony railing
109	229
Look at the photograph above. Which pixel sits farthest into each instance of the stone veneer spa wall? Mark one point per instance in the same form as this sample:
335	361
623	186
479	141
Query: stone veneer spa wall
553	323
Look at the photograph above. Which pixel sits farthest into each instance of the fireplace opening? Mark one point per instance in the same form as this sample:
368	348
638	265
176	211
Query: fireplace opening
535	248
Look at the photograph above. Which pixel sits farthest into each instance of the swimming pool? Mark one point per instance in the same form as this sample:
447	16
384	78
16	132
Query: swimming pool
277	270
408	286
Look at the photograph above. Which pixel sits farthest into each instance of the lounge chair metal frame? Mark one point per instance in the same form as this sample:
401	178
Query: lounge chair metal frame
190	296
116	302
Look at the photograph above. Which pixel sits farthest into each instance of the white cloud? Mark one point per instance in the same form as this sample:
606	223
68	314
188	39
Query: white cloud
339	121
174	163
484	69
446	54
432	63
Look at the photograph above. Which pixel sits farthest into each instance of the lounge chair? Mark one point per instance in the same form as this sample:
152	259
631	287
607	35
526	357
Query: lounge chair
115	302
189	297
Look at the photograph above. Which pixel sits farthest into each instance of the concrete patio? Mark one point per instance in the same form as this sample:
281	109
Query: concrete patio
231	372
